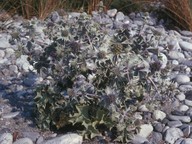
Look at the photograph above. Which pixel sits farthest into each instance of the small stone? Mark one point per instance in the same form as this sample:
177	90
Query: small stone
9	52
181	78
40	140
145	130
179	141
163	60
10	115
186	33
176	55
185	87
183	108
185	45
158	127
13	68
55	17
172	134
143	108
189	112
159	115
2	54
188	102
187	131
6	138
185	119
119	16
112	12
66	139
187	141
175	62
156	138
23	141
180	96
32	135
138	139
23	63
174	123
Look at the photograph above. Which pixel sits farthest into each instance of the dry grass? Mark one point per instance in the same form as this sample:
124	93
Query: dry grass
178	10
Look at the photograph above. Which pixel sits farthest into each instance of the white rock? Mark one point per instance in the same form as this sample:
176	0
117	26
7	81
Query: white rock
119	16
112	12
138	139
185	45
23	63
10	115
159	115
143	108
180	96
9	52
2	54
183	108
188	102
6	138
66	139
23	141
163	60
145	130
176	55
187	141
4	41
182	78
172	134
175	62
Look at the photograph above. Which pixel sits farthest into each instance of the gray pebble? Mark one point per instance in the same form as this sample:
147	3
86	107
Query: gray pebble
185	119
173	134
10	115
187	131
188	102
176	55
187	141
174	123
23	141
185	45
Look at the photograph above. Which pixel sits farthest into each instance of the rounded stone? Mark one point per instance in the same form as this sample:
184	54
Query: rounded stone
176	55
13	68
159	115
182	78
173	134
9	52
185	45
175	62
183	108
119	16
185	119
143	108
180	96
187	141
6	138
188	102
23	141
2	54
145	130
112	12
158	127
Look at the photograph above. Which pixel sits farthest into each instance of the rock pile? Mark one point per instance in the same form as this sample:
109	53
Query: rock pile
165	118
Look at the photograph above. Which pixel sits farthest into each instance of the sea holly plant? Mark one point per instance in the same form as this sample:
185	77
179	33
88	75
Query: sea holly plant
92	80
